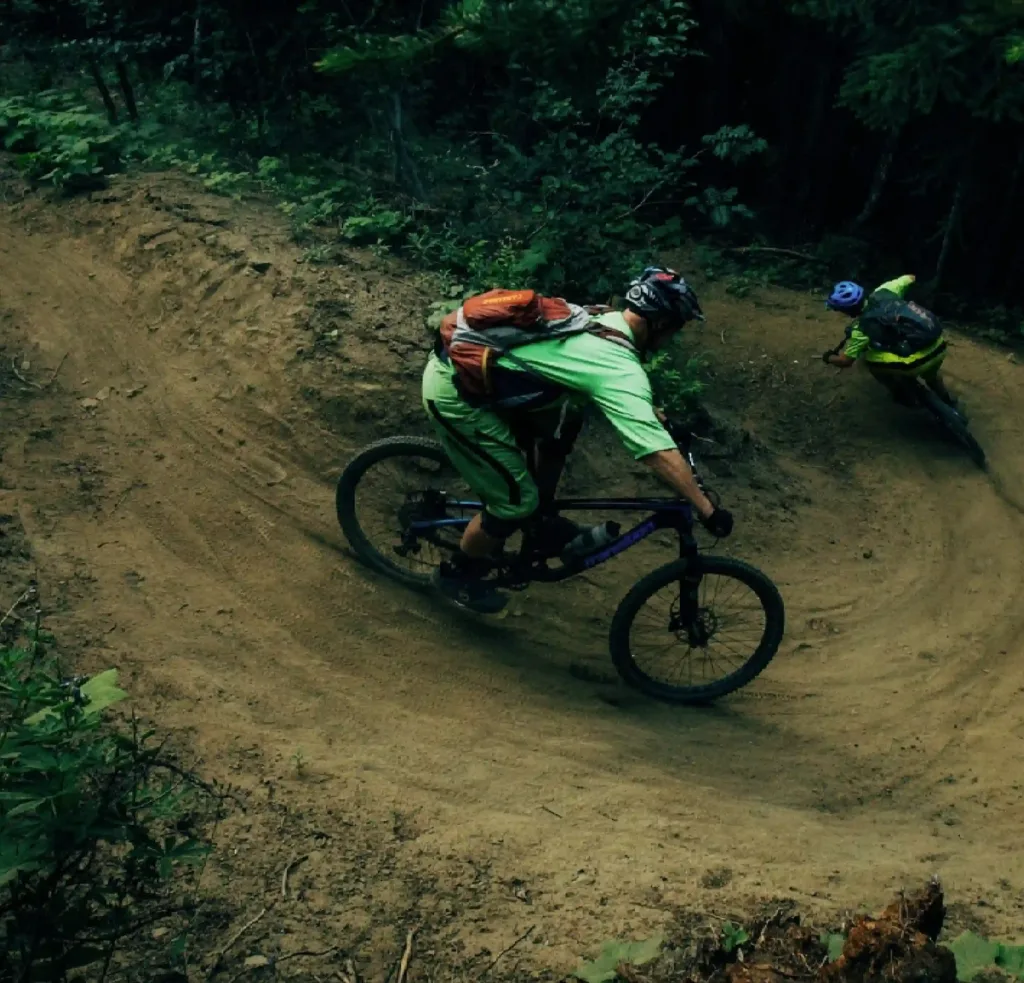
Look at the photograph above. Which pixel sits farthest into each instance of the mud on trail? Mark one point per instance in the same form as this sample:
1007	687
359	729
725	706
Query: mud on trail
175	483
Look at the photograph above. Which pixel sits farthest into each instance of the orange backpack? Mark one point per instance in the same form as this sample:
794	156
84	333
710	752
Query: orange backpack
486	327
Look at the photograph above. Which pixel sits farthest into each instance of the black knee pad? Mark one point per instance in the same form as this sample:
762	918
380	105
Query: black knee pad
500	528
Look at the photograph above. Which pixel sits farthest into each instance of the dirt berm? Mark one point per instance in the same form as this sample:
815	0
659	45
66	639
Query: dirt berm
175	479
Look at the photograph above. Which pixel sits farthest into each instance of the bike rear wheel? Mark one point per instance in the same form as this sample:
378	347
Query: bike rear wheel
955	425
741	623
386	488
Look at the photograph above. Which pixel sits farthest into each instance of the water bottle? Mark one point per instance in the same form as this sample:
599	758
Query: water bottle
590	540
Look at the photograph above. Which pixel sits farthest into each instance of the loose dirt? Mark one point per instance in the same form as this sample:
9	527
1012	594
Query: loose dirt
175	482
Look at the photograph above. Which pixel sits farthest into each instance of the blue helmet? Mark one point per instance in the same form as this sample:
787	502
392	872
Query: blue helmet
846	296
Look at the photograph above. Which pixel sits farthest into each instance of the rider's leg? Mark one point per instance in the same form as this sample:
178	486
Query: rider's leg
483	450
931	376
550	435
894	382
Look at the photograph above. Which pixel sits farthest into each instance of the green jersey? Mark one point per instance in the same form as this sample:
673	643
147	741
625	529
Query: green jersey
593	369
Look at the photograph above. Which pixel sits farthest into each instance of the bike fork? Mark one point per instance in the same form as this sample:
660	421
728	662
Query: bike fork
689	582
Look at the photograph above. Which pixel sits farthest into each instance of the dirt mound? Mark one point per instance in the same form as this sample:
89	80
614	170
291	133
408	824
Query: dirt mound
175	481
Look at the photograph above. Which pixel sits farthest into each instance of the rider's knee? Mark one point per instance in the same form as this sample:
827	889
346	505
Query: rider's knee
500	523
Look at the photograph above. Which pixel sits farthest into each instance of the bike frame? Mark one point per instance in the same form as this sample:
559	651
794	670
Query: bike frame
665	513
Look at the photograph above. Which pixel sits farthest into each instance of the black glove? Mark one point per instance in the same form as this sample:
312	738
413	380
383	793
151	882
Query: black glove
719	523
825	356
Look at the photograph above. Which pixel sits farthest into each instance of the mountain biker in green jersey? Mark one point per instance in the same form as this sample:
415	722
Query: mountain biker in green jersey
510	450
892	364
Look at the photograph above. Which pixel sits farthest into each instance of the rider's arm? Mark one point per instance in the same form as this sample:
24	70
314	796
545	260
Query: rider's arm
841	360
899	286
673	469
856	342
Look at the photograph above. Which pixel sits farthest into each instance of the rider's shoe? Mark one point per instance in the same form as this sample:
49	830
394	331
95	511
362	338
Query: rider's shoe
467	590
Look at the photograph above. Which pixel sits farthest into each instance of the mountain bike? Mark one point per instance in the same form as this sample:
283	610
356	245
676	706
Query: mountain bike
689	632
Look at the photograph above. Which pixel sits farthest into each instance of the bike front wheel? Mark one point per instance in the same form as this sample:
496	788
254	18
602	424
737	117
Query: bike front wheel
726	642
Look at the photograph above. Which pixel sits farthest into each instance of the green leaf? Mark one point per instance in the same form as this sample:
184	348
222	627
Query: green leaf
1010	959
733	936
973	954
102	691
833	942
605	967
40	715
29	806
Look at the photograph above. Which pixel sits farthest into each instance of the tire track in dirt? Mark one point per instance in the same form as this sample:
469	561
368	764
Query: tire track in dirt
249	626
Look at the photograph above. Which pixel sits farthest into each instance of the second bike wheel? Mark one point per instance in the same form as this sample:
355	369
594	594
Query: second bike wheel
955	426
391	484
741	619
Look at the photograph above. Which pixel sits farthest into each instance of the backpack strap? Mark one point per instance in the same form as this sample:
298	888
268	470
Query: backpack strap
613	335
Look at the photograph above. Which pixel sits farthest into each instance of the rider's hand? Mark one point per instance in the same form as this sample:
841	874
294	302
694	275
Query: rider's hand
826	357
660	414
719	523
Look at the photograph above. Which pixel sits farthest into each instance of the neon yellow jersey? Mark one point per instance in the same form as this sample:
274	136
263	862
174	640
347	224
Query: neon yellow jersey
858	343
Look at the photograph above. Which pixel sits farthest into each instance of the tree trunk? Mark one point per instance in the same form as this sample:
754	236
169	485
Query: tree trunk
101	85
126	90
197	37
260	89
952	220
405	166
879	179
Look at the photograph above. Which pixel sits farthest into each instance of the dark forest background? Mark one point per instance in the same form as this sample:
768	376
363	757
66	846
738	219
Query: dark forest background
558	142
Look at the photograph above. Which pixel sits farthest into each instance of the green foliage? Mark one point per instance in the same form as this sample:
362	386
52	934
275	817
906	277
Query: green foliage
614	954
677	386
93	821
975	954
56	140
733	936
566	206
833	942
934	58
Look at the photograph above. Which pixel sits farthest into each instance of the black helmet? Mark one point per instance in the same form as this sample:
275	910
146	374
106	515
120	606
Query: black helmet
662	293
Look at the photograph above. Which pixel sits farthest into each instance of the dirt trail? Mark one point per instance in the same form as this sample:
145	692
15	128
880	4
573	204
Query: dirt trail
189	526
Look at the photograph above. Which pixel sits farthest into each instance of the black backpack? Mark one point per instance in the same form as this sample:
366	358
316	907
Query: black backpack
899	326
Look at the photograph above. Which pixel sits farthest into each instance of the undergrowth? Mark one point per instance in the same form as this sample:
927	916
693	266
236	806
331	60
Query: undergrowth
96	820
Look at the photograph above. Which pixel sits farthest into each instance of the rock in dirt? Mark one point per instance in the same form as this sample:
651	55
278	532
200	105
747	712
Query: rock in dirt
103	393
754	973
88	404
256	962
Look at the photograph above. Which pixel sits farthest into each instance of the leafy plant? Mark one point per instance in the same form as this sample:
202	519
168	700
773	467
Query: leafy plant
677	388
616	953
733	936
94	821
60	142
833	942
975	954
